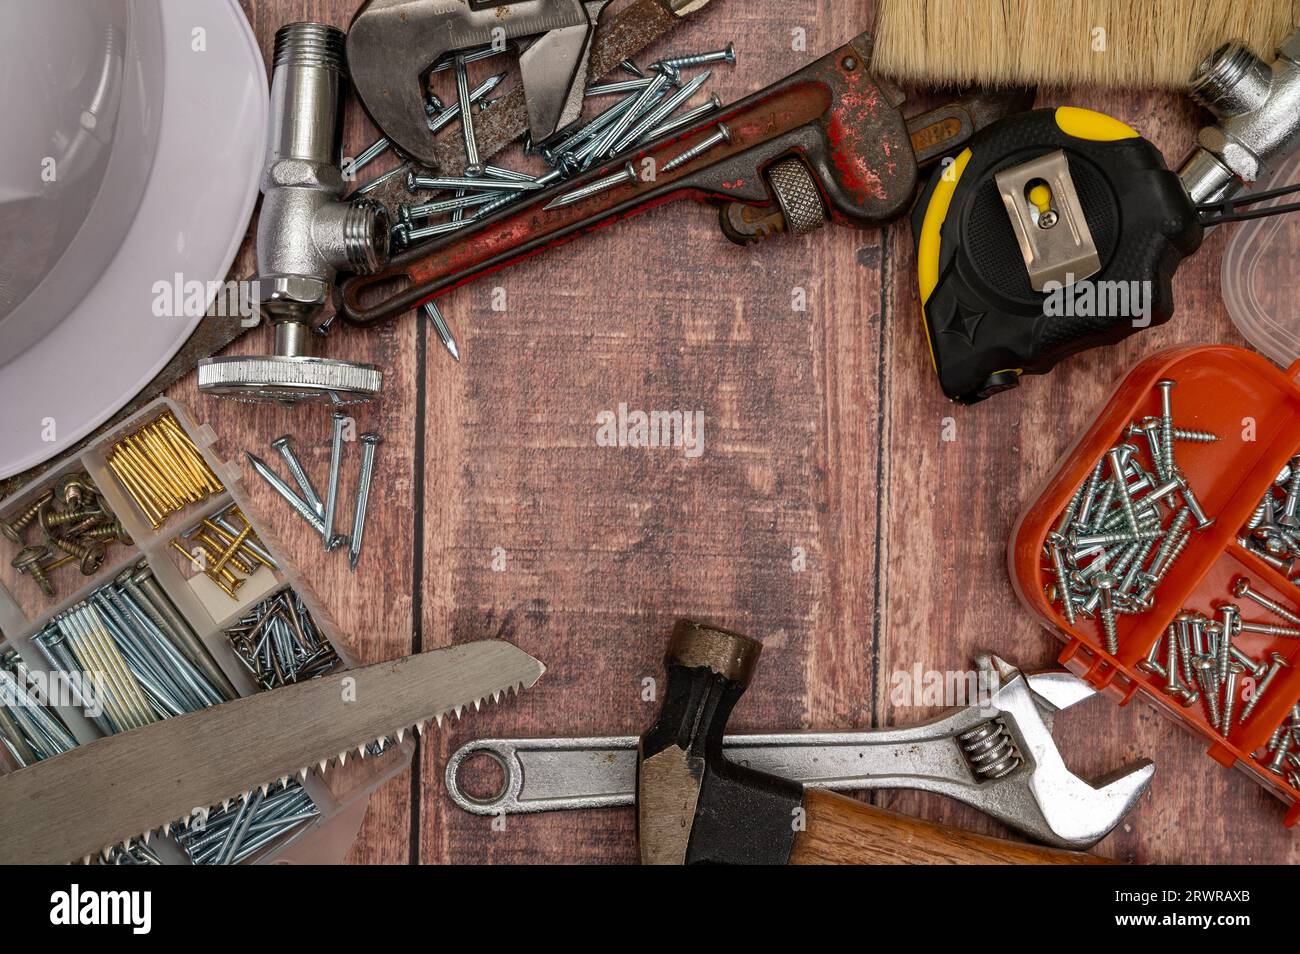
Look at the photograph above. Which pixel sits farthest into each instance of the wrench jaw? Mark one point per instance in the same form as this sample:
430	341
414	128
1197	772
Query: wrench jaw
1074	813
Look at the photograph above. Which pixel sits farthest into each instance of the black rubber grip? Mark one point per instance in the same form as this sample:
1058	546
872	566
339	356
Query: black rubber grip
987	326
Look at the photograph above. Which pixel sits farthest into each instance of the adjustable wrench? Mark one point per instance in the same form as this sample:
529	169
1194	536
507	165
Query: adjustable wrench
825	143
998	756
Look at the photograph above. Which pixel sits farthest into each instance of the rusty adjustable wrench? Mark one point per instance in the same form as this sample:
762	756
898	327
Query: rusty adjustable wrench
998	756
825	143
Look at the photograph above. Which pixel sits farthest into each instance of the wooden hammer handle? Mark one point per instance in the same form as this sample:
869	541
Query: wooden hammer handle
843	831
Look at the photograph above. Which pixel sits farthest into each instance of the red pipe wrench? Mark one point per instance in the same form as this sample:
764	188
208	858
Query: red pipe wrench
825	143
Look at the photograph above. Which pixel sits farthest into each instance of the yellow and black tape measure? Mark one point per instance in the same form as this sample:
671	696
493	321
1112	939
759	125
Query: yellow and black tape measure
1057	230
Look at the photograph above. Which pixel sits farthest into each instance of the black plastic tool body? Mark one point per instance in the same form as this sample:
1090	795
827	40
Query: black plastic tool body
986	324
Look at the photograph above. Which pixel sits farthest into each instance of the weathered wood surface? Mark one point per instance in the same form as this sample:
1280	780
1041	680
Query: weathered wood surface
822	437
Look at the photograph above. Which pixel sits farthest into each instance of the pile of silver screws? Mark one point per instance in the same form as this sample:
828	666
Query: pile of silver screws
306	501
1127	525
228	835
143	660
29	729
644	112
1273	531
1197	660
279	643
74	520
1281	754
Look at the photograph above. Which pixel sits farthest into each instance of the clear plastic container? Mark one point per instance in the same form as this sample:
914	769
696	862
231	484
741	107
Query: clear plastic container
1259	280
342	794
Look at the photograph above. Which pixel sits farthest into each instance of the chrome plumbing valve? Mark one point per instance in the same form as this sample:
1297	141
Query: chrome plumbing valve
306	233
1258	107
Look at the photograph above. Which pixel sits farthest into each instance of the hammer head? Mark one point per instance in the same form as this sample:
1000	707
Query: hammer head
694	806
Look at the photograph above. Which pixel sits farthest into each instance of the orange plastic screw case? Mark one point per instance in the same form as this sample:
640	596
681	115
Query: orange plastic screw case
1255	410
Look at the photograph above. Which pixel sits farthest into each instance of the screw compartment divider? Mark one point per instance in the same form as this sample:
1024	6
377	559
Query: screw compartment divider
1218	387
21	618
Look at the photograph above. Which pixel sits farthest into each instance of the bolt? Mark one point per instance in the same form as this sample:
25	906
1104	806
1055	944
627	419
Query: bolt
726	55
222	523
71	488
1166	388
298	473
1171	661
1256	669
1288	632
1194	437
1058	543
1182	627
52	520
1172	556
1193	504
1109	539
1231	617
92	556
1235	669
28	561
13	529
1105	583
1279	663
722	135
1289	517
1241	587
369	442
1279	748
332	491
1206	678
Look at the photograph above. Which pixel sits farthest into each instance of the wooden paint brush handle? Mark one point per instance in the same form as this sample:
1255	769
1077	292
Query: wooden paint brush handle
843	831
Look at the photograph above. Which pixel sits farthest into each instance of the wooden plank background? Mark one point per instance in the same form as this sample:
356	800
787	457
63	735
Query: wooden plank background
822	436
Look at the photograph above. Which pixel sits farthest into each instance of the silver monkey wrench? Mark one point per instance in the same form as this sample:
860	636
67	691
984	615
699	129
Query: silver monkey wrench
997	756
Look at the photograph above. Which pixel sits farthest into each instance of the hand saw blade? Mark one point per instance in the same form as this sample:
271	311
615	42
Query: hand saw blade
77	803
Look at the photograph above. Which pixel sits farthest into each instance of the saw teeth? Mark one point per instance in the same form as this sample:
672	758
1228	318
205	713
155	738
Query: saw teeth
302	774
323	763
399	733
343	758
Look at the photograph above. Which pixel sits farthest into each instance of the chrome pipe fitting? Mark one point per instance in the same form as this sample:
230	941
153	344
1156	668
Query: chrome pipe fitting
1258	108
306	233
